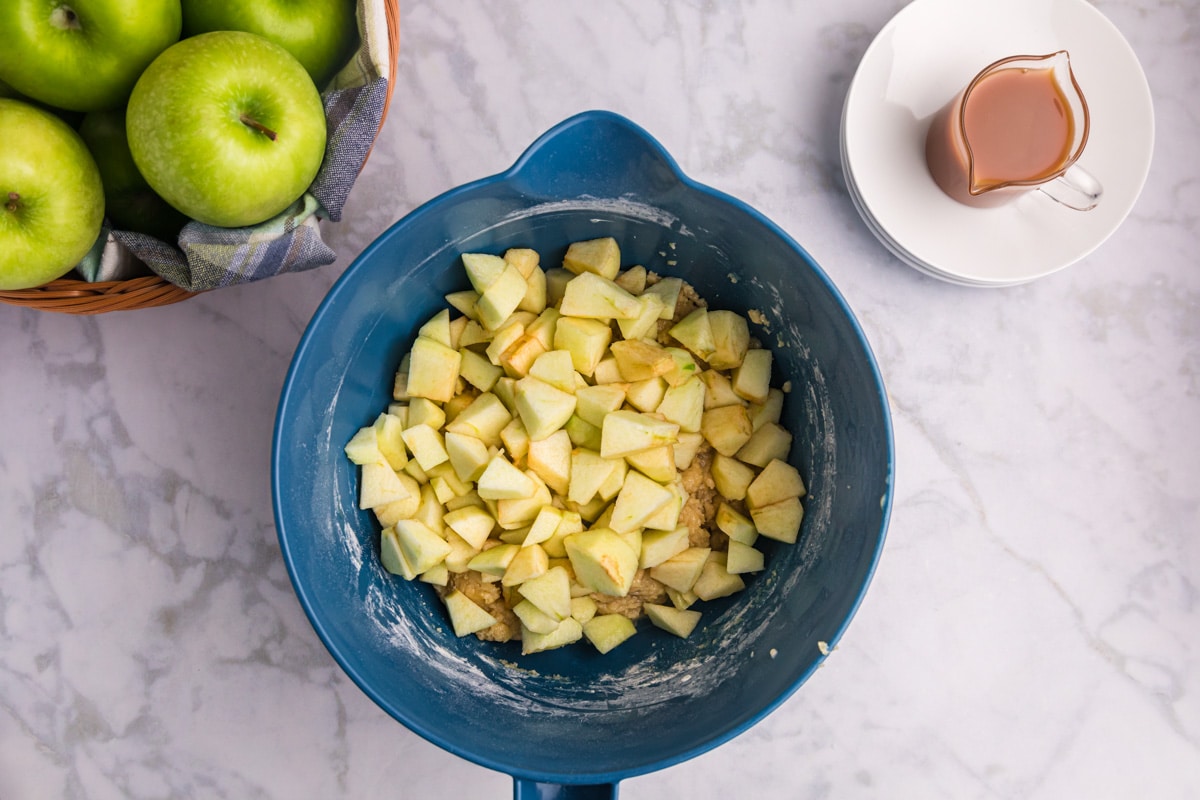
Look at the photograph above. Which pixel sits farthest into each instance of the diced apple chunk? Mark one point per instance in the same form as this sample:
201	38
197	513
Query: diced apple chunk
658	546
726	428
770	442
657	463
427	446
646	395
423	412
769	411
550	592
602	561
586	340
363	447
472	523
497	302
684	405
483	269
433	371
695	333
686	449
594	403
422	547
731	338
438	328
484	418
626	432
640	360
534	619
735	525
515	439
379	485
638	499
591	296
466	616
544	526
601	256
752	379
606	631
588	472
718	391
716	581
632	280
550	458
582	434
543	408
392	557
503	481
583	609
512	513
529	563
556	368
668	289
732	477
680	622
464	302
390	513
779	480
494	560
780	521
468	456
742	558
681	571
478	371
568	631
645	324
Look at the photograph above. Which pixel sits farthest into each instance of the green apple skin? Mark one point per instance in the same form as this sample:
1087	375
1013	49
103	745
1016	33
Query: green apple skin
51	198
321	34
227	127
129	202
83	55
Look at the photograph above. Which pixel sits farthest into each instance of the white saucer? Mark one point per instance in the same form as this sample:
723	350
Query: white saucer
922	57
893	246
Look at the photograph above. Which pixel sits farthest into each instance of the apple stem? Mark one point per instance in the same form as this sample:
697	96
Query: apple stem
258	126
11	205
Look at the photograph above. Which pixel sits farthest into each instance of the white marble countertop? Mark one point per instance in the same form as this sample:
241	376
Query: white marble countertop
1033	630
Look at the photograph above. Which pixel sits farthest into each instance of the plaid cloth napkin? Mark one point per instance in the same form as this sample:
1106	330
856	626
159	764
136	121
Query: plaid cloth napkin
208	257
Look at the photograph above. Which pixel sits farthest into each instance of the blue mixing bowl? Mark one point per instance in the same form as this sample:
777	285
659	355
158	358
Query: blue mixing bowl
572	722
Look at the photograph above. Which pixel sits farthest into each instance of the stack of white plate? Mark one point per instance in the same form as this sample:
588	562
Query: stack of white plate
922	58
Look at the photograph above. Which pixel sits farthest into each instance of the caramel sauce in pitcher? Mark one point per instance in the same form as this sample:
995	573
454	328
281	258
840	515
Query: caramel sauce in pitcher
1018	126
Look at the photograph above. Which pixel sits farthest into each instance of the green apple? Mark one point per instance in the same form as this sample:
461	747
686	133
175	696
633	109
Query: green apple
129	202
83	55
321	34
227	127
51	197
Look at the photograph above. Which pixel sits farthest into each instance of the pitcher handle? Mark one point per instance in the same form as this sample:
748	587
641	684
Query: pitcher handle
535	790
1076	188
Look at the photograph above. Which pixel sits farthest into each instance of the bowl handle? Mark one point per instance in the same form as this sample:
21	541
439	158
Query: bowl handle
534	790
595	154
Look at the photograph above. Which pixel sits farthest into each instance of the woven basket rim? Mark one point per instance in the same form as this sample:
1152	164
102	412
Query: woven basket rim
74	296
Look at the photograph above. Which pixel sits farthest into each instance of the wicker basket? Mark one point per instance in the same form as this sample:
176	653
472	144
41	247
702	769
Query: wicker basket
72	296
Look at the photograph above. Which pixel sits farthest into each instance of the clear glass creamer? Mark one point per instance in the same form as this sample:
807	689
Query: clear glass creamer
1019	125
